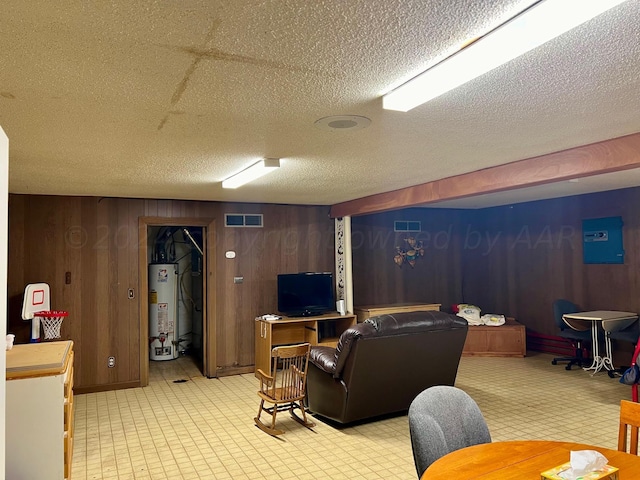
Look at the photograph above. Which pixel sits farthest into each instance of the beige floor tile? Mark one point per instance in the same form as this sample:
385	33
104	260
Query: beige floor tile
203	428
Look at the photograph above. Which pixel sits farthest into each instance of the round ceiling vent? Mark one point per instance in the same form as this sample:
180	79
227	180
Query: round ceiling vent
343	122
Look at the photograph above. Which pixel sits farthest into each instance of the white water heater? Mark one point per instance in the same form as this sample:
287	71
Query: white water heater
163	311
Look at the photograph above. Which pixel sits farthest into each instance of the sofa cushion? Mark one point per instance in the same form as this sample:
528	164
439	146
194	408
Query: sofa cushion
347	340
324	358
333	360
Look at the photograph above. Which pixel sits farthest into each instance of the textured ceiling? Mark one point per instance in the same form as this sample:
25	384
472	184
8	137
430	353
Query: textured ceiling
165	99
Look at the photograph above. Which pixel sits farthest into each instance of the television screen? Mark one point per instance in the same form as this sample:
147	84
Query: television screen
302	294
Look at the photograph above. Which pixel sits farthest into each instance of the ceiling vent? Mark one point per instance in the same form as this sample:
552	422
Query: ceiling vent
343	122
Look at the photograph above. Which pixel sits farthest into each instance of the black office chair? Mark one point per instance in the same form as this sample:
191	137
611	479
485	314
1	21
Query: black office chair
629	334
577	338
628	331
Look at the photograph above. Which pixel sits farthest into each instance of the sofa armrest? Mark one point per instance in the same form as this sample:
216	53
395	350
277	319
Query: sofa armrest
324	358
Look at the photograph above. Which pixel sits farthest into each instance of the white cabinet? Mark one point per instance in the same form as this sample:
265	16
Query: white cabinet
39	411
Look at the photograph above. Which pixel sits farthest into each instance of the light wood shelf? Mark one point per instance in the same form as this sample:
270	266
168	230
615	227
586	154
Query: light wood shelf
367	311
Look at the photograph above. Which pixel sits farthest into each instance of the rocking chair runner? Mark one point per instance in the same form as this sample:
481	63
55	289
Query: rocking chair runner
286	388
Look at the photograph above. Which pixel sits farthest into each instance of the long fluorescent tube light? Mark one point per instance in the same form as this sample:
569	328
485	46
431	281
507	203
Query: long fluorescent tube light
249	174
530	29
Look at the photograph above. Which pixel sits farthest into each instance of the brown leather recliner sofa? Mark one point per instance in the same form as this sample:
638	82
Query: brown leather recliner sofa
380	365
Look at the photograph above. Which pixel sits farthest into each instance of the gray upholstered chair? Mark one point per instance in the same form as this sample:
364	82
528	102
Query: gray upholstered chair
443	419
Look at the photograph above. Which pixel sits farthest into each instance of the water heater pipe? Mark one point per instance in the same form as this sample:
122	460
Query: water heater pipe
186	232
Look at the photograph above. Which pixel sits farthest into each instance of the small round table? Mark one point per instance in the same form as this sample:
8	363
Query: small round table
599	319
517	460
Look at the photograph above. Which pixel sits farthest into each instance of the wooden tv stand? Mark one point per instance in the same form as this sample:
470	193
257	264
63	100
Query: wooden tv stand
317	330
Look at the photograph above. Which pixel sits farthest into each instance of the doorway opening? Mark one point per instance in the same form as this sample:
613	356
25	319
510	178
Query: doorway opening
177	296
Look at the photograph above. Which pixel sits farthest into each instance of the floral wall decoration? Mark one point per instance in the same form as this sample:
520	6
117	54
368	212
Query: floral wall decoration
413	250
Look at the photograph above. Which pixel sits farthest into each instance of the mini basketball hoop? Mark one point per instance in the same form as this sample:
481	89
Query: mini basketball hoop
51	321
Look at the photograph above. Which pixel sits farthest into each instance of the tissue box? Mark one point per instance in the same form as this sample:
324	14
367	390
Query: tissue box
607	473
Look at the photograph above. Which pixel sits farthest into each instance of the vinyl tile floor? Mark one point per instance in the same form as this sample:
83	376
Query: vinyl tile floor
199	428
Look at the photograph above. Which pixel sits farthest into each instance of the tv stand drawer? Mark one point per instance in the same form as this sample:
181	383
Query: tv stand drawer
288	333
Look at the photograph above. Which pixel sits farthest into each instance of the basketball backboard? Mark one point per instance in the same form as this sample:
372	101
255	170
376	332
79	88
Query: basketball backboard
36	299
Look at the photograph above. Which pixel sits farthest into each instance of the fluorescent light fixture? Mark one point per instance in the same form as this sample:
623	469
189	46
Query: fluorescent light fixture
530	29
247	175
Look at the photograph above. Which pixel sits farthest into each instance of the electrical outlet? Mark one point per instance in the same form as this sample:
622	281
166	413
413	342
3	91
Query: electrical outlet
111	362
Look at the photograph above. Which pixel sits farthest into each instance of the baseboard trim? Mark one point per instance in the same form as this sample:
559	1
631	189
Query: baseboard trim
104	388
228	371
551	344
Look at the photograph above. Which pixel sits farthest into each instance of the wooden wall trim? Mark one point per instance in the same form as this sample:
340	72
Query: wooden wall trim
210	306
622	153
143	294
104	388
227	372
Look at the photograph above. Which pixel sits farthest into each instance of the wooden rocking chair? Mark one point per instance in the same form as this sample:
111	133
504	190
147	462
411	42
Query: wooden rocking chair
286	388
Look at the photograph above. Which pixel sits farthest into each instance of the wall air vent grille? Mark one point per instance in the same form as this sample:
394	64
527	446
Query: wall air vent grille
253	220
406	226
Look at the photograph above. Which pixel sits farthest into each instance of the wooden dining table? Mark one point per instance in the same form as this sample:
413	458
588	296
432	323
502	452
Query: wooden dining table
517	460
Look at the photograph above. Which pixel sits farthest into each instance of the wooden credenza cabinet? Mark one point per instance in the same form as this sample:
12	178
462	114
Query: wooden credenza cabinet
373	310
319	330
39	411
508	340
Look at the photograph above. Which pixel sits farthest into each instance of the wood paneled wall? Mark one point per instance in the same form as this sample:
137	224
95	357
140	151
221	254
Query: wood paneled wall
436	277
294	239
514	260
96	240
531	254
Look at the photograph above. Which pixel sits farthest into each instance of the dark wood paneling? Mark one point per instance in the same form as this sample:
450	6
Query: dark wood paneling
294	239
97	241
436	277
538	258
513	260
618	154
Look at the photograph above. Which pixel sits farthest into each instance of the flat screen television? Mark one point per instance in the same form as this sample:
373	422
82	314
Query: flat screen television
305	294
